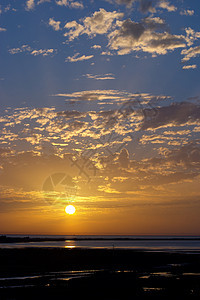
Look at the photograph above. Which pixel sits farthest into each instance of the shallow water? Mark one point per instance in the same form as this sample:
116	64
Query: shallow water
150	243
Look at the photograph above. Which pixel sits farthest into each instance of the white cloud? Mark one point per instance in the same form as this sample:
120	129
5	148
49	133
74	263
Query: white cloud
70	3
76	4
2	29
76	57
106	53
54	24
62	2
99	23
189	67
43	52
166	5
191	36
23	48
96	47
75	30
187	12
29	50
108	76
30	4
190	53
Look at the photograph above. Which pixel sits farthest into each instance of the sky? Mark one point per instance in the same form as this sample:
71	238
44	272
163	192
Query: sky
100	110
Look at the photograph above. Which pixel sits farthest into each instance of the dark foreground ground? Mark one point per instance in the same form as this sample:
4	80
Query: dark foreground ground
40	273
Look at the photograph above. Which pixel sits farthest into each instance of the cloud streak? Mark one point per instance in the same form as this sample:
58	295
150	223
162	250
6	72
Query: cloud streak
77	58
108	76
27	49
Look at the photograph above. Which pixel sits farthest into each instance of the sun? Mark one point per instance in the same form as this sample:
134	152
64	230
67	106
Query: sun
70	209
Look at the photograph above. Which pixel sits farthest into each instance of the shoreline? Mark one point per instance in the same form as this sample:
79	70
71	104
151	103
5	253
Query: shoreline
43	273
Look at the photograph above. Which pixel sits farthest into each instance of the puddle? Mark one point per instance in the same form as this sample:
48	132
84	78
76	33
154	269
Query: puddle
150	289
22	277
144	277
7	282
191	274
162	274
17	286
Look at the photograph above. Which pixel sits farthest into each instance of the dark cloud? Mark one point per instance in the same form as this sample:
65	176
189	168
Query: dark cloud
177	114
69	114
189	155
145	36
4	151
76	125
123	158
125	2
144	5
131	28
147	5
154	23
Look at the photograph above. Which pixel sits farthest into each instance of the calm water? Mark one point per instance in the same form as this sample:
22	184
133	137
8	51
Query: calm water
142	242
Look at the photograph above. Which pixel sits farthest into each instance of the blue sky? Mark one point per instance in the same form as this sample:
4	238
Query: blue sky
108	93
33	79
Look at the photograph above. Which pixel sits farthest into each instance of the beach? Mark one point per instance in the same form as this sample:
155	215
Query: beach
54	273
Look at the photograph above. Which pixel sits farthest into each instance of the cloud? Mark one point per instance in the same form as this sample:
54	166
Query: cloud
173	115
70	3
30	4
190	53
76	4
187	12
96	47
76	57
43	52
97	95
99	23
126	2
62	2
68	114
189	67
54	24
191	36
76	29
187	156
23	48
149	35
42	1
29	50
2	29
148	5
135	36
166	5
123	158
108	76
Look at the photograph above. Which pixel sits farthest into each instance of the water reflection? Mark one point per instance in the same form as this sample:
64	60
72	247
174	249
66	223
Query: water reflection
69	244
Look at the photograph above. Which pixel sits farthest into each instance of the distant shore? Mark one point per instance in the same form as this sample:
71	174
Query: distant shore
27	239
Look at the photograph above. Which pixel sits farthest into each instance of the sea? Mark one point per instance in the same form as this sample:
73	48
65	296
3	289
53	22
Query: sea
147	243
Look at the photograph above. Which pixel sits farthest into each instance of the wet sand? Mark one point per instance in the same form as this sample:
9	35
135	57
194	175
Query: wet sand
105	274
